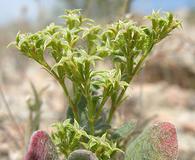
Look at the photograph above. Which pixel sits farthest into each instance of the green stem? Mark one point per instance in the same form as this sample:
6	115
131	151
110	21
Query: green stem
99	111
111	113
115	105
90	108
91	125
63	85
73	106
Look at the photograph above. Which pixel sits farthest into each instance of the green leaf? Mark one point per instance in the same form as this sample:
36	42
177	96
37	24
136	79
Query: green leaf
125	130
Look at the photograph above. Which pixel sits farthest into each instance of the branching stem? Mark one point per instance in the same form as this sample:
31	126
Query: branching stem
115	105
63	85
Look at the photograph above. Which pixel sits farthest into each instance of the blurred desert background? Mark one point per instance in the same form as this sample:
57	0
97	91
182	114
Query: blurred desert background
163	91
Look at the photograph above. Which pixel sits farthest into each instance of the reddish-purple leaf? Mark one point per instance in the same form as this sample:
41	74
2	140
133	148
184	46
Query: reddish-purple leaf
41	147
158	142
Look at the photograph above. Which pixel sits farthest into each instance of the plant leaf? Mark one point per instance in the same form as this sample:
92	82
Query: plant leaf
125	130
